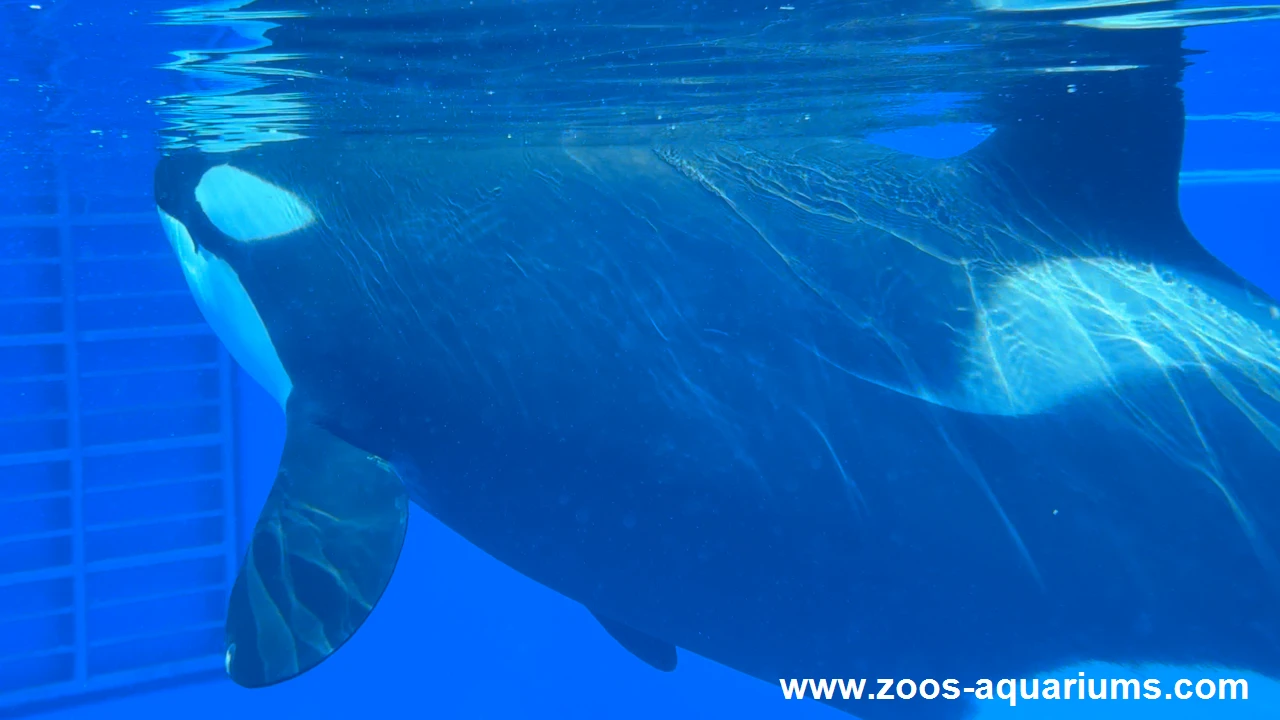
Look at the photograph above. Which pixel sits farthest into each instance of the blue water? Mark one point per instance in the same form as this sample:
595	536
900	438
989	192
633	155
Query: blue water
457	634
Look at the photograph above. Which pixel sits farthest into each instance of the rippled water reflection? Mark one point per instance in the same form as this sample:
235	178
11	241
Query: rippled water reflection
493	72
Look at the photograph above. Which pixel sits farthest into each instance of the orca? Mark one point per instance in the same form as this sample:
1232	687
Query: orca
808	407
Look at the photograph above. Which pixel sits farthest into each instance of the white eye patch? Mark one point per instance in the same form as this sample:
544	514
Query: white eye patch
247	208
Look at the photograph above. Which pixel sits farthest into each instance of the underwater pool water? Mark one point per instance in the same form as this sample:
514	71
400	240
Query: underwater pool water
135	455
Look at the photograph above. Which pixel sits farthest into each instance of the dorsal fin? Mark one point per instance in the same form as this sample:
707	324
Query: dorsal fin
1097	139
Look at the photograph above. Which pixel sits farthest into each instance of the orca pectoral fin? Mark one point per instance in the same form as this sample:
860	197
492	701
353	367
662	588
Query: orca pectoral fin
656	653
323	551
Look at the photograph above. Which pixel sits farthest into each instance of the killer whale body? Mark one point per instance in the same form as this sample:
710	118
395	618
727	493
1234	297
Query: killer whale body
806	408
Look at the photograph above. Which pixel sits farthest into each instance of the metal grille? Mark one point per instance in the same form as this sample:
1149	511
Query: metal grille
118	543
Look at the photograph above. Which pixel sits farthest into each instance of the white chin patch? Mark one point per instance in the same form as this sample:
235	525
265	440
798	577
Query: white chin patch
229	310
247	208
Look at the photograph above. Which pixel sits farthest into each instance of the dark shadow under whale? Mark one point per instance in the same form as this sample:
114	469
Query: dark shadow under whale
806	407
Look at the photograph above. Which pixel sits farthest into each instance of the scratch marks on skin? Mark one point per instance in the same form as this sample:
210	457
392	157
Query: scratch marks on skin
656	329
1101	327
641	293
1036	324
860	501
698	176
668	303
1265	426
864	230
1211	467
830	199
969	467
518	267
921	393
336	230
382	283
919	387
714	410
975	473
1266	555
395	290
636	297
984	332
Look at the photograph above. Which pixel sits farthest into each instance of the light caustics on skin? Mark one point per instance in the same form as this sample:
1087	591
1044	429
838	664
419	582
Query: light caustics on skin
1101	327
1038	323
322	553
951	298
1037	317
280	626
1073	326
1032	336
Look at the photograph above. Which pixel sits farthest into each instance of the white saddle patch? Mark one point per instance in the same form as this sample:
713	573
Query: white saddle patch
1048	332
